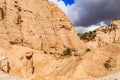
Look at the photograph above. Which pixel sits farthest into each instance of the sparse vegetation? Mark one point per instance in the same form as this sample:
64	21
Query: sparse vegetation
109	64
45	52
88	49
116	19
67	51
88	36
110	28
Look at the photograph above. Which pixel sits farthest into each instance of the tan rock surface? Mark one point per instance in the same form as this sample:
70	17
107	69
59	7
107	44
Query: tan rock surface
38	27
48	67
34	35
36	24
106	35
115	76
4	76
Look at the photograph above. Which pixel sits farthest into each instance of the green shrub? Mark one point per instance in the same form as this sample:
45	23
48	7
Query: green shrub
88	49
67	51
109	64
88	36
110	28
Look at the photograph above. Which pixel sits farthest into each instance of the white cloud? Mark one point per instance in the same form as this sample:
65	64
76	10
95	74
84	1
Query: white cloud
69	12
67	9
85	14
83	29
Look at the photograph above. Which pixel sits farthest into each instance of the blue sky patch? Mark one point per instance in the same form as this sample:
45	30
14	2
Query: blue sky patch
68	2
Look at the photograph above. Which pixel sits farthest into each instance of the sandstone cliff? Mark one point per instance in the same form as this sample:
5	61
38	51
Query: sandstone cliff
38	42
36	24
33	34
103	36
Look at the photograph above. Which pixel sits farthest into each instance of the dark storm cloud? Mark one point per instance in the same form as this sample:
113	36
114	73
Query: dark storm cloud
88	15
90	12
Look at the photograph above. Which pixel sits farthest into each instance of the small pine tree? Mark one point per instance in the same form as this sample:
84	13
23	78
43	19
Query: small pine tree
67	51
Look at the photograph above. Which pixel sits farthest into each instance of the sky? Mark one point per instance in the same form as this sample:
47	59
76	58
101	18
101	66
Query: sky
68	2
88	15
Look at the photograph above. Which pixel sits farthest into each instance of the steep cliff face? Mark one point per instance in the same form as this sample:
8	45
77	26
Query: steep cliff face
29	31
36	24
